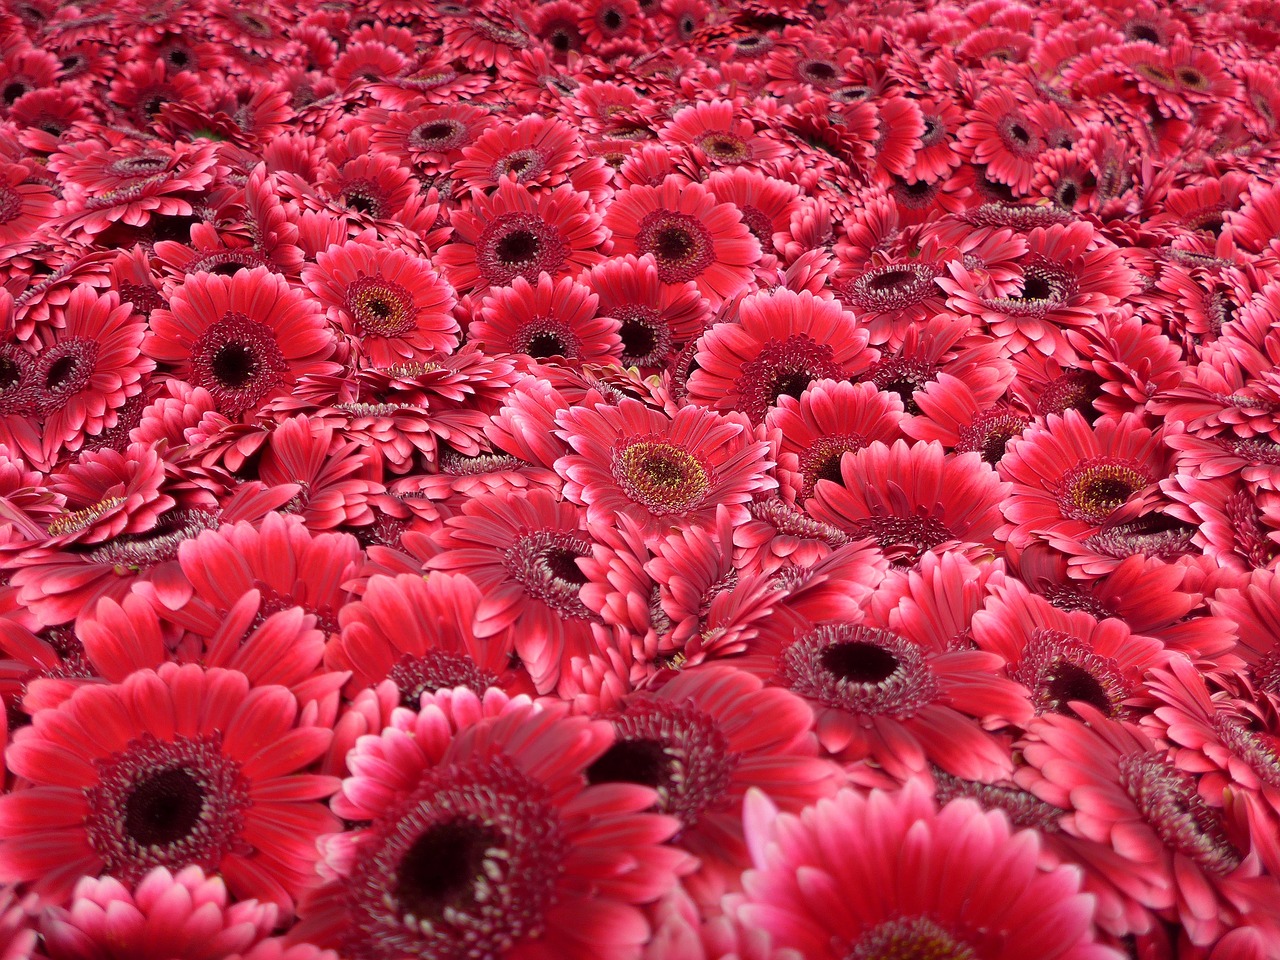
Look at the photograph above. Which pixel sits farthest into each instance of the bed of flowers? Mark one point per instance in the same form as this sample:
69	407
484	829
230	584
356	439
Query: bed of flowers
640	480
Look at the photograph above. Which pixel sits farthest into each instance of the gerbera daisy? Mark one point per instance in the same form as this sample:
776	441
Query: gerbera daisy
522	552
882	893
701	743
551	319
89	369
689	234
1002	134
661	470
782	342
167	769
719	137
519	233
828	420
184	913
392	305
912	499
479	832
1070	479
105	493
26	203
766	204
243	338
128	184
429	137
536	150
1174	851
656	319
963	419
420	633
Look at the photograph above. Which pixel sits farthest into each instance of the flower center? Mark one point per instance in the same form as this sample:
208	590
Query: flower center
65	370
646	339
1168	800
819	71
525	164
10	203
1154	535
894	286
144	165
74	521
544	563
438	135
910	938
1059	669
1023	809
518	245
467	865
677	749
364	196
663	478
380	307
166	803
822	460
904	540
859	669
238	361
724	147
903	376
438	670
1071	391
1092	491
990	432
784	367
680	243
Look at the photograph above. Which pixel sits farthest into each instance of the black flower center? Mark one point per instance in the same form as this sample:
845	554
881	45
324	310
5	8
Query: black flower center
632	761
518	246
233	365
442	868
164	808
859	662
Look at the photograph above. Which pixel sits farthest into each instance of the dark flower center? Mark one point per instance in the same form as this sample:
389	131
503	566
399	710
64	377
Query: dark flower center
163	808
681	244
238	361
859	662
632	761
443	868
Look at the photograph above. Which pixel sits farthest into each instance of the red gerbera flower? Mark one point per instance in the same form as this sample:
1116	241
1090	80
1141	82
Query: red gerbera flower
830	419
884	893
89	370
522	551
169	768
243	338
1174	851
719	137
1004	136
689	234
130	183
912	499
26	203
1070	480
106	494
702	741
660	470
519	233
429	137
392	305
167	914
656	319
551	319
420	633
782	342
536	150
484	835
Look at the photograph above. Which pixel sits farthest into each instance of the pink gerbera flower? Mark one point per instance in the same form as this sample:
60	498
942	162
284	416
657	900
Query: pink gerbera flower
420	633
536	150
168	768
243	338
26	202
1071	480
702	741
656	319
912	499
1174	851
909	880
830	419
689	235
766	204
106	493
480	833
659	470
549	319
522	552
1006	138
392	305
167	914
782	342
519	233
719	137
92	367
